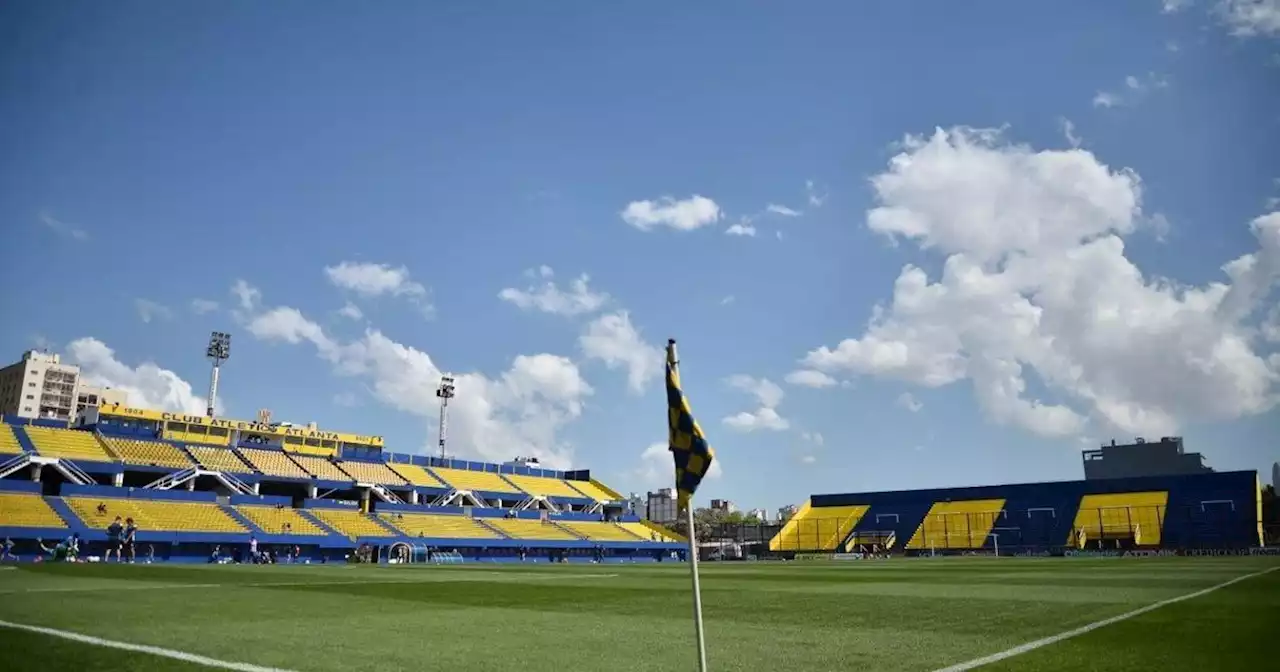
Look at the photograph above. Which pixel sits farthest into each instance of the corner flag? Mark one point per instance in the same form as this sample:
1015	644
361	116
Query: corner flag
693	459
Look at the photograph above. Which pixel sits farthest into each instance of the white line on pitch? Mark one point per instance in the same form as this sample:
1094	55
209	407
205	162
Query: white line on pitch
1032	646
142	648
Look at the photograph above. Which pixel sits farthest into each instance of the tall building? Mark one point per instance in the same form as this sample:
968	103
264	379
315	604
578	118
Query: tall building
1275	475
662	506
786	512
723	505
759	514
39	386
1165	457
92	396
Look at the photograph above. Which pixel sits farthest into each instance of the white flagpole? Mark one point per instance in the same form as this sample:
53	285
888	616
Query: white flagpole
693	552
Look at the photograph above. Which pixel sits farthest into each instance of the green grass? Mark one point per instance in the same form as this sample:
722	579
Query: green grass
886	615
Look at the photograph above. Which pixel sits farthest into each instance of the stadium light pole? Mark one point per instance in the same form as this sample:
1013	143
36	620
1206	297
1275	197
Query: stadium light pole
445	393
219	351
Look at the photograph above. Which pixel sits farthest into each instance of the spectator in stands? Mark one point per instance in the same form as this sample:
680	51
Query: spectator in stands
6	551
102	508
130	537
115	535
288	527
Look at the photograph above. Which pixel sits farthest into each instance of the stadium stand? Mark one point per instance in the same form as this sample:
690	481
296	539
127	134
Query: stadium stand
486	481
27	510
818	528
598	531
351	524
650	532
546	487
273	462
272	520
529	529
156	515
961	525
1135	516
371	472
321	467
437	526
8	442
416	475
594	491
148	453
68	444
218	459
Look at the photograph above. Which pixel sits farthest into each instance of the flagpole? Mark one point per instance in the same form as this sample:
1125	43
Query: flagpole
693	549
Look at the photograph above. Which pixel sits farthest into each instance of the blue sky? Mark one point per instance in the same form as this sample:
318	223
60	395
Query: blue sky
998	232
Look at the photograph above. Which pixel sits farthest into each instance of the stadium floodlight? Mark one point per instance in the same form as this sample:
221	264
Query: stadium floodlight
445	393
219	351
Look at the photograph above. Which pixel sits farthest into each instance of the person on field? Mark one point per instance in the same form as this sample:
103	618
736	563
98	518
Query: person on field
115	536
6	551
130	537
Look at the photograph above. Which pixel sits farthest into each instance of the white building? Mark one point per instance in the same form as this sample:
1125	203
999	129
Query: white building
662	506
785	513
41	386
761	515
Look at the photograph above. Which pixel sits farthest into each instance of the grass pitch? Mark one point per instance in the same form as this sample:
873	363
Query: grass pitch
922	614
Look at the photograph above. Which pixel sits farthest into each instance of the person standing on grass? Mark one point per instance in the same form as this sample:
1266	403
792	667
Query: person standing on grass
253	549
114	533
6	553
130	537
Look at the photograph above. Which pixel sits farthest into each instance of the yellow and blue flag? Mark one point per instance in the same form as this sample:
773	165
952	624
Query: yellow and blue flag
688	445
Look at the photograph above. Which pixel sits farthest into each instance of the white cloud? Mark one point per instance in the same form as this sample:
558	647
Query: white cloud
1135	89
657	468
578	299
908	401
369	279
768	395
813	437
519	412
810	378
246	295
741	229
146	386
62	228
808	459
684	215
1036	279
1069	132
1171	6
149	310
815	200
783	210
202	306
727	300
1270	328
1104	99
1250	18
612	339
351	311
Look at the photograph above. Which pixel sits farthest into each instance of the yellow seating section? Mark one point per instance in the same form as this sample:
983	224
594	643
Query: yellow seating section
351	524
321	467
148	453
8	442
219	459
547	487
437	525
272	520
218	439
416	475
156	515
600	531
371	472
529	529
1120	515
964	524
27	510
817	528
462	479
68	443
593	491
648	533
273	462
318	451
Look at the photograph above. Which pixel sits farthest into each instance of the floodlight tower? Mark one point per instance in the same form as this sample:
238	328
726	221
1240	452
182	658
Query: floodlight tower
219	351
445	392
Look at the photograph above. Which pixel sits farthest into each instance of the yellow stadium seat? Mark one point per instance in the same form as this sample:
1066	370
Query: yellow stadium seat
1129	515
963	525
153	515
148	453
647	532
601	531
416	475
68	443
8	442
28	510
594	491
547	487
351	524
320	467
273	520
463	479
817	528
272	462
219	459
371	472
437	525
518	528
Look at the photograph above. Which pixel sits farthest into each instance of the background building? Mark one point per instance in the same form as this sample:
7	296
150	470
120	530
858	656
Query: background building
662	506
723	505
39	386
1165	457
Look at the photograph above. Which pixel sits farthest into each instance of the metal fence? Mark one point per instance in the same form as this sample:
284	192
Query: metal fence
1208	525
